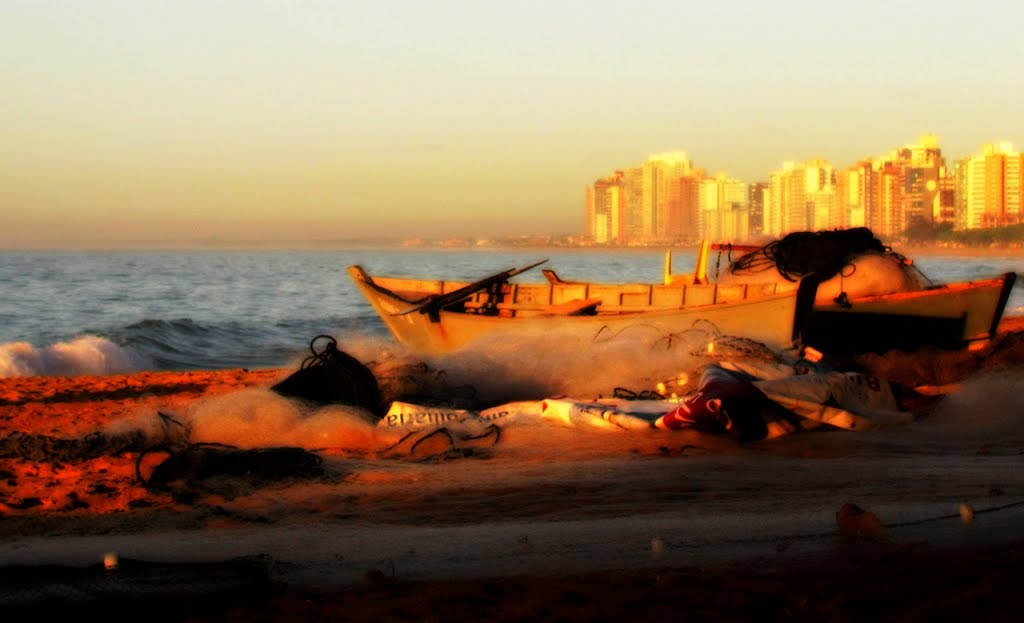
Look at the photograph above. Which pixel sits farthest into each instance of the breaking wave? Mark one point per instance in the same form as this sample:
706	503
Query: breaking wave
178	344
88	354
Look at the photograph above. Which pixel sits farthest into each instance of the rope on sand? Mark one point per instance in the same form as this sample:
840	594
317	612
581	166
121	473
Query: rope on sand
959	515
786	539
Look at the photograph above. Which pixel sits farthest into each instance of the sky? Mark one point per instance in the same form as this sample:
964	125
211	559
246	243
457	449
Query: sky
148	123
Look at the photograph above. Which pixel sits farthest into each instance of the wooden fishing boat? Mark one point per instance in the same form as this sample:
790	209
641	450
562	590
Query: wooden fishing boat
431	317
851	310
856	313
950	316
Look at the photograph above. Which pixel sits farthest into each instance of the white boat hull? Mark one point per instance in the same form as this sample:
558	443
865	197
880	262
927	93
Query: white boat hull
538	310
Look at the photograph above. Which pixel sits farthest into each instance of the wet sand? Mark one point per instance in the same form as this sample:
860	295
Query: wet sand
546	525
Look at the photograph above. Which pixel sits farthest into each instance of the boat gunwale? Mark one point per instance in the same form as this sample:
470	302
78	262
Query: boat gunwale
609	310
939	289
795	303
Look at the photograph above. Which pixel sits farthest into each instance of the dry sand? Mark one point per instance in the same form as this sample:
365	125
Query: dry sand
545	525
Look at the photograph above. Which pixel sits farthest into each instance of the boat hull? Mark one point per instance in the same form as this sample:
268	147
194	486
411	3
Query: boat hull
767	318
887	304
949	317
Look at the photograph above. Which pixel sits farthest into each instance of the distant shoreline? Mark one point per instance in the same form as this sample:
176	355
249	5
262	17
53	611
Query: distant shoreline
959	251
910	250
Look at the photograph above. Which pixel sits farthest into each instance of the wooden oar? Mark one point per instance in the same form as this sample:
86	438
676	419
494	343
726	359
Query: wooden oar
436	303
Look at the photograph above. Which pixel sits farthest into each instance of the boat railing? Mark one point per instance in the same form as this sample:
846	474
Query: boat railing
617	298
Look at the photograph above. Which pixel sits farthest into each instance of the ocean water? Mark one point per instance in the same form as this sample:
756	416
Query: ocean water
65	313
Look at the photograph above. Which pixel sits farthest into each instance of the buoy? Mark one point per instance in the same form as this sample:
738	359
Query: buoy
966	513
657	547
110	561
856	523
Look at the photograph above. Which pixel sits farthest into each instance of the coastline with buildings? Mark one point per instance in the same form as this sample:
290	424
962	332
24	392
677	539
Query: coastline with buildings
668	200
1012	246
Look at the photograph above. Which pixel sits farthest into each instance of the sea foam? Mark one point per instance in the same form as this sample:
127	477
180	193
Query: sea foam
88	354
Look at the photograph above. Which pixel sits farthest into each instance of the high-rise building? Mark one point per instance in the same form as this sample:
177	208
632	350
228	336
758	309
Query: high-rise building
854	196
947	198
774	220
684	207
660	172
801	197
755	199
886	218
989	187
922	167
633	198
1014	180
820	193
606	209
724	209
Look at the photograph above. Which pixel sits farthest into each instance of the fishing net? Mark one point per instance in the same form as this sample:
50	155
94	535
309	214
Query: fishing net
50	449
190	466
824	253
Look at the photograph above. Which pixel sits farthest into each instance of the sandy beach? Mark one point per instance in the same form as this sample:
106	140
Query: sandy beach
913	524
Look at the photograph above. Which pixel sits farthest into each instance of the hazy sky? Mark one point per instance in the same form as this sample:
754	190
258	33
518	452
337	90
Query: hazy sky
137	121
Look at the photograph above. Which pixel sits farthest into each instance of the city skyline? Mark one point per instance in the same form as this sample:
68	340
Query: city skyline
670	198
763	177
154	124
